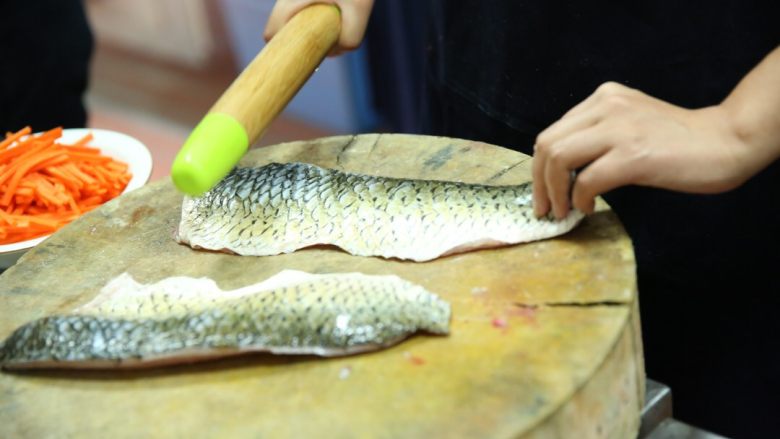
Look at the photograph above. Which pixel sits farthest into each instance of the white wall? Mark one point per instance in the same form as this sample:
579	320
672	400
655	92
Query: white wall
175	30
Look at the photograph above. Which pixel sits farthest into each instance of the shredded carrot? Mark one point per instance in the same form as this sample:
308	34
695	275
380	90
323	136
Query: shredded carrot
87	149
11	138
45	184
84	140
24	150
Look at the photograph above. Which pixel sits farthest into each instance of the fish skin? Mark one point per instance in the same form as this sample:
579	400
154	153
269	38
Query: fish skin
280	208
291	313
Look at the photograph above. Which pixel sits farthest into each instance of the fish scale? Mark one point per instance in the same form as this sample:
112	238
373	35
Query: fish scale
280	208
179	319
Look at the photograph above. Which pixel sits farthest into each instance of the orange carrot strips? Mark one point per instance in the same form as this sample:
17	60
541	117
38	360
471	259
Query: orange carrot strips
11	138
45	184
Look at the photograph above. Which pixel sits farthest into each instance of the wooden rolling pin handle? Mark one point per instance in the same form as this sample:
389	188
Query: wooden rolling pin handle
276	74
255	98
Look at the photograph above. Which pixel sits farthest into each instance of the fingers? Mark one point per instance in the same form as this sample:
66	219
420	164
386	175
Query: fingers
354	19
551	158
603	175
557	162
281	13
541	202
581	136
580	116
572	153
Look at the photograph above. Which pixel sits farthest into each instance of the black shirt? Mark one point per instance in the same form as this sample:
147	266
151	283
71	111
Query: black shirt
46	47
502	71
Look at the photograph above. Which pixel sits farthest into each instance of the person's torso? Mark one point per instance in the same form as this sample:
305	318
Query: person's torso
525	63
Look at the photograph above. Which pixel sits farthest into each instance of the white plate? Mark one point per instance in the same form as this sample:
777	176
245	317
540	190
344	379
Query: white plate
117	145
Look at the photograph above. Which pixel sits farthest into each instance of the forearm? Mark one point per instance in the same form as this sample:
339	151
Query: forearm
753	109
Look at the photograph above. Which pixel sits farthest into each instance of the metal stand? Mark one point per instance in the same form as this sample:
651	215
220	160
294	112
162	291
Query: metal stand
657	420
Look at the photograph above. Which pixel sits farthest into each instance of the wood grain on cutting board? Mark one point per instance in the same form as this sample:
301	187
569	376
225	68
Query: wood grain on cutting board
544	337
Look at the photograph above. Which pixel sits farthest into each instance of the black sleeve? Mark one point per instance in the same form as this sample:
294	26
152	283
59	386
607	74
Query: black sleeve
46	48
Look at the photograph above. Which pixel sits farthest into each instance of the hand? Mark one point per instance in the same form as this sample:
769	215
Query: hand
622	136
354	19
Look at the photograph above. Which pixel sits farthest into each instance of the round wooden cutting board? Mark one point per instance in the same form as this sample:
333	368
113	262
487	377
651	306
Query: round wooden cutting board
544	339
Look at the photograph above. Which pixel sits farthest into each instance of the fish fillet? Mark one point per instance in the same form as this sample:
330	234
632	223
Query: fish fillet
280	208
183	319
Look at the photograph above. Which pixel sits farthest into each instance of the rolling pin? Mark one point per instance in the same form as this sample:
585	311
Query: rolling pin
254	99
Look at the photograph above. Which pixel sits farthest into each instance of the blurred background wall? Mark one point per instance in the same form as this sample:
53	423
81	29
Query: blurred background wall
160	64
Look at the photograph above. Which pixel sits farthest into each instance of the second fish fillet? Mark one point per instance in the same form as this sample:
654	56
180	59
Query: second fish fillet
182	319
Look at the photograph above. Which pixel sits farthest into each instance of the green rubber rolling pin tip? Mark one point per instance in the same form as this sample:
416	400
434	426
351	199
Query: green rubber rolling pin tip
259	93
213	148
